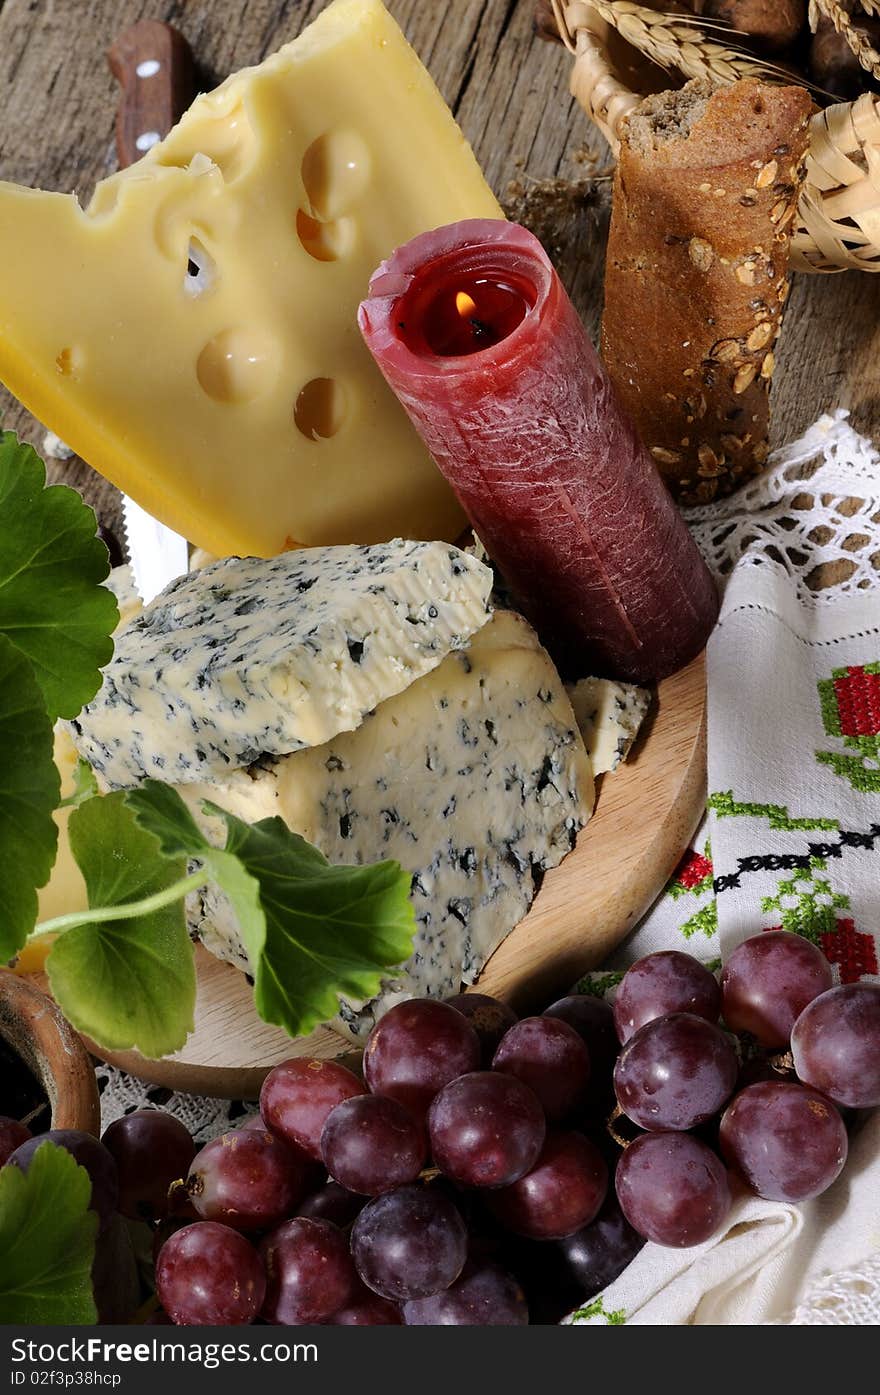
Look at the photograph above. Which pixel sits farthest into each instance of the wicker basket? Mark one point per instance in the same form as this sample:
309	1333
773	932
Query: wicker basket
839	213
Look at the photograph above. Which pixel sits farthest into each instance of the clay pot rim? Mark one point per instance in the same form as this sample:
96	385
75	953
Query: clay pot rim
34	1027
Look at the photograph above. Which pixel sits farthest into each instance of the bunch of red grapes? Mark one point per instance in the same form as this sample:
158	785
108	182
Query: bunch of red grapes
469	1177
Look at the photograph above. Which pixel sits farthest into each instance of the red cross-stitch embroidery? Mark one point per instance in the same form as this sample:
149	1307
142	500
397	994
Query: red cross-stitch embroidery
850	949
858	700
693	874
853	951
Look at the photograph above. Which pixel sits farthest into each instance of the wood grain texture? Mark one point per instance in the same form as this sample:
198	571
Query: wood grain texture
585	907
34	1028
510	93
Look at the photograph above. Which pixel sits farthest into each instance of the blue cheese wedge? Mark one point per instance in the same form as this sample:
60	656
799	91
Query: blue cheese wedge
475	779
609	715
251	657
121	582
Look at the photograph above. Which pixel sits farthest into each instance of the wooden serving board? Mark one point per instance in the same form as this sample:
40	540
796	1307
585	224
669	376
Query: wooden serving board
646	813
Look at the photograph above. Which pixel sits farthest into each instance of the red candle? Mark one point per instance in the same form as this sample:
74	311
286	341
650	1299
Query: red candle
474	332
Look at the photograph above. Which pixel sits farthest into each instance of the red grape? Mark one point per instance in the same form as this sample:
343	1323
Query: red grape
489	1018
409	1243
593	1020
768	981
151	1150
116	1280
12	1135
90	1154
416	1049
332	1203
484	1296
486	1128
247	1179
549	1056
787	1141
562	1193
672	1189
309	1273
254	1121
662	983
371	1145
598	1254
366	1309
675	1073
210	1276
298	1095
836	1045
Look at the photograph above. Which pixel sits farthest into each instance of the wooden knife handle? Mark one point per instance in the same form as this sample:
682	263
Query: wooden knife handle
154	66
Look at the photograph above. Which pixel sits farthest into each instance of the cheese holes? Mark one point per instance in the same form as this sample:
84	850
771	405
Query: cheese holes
335	172
68	362
320	409
226	139
326	242
200	269
237	365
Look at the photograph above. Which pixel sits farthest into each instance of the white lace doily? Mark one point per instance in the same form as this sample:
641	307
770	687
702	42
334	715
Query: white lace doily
848	1299
205	1118
815	513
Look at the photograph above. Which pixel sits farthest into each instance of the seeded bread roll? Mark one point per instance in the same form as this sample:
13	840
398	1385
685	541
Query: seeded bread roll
705	196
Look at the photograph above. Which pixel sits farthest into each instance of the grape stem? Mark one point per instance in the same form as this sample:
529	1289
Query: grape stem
127	911
782	1062
619	1139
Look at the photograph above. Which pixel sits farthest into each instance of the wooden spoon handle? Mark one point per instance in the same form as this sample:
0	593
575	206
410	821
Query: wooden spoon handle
154	66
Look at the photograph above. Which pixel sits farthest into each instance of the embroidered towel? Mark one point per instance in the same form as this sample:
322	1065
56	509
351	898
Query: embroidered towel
791	840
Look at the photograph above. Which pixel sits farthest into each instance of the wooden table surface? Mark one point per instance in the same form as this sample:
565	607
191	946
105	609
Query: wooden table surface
510	94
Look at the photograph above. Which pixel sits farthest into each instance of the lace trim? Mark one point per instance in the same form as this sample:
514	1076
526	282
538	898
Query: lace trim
818	523
848	1299
205	1118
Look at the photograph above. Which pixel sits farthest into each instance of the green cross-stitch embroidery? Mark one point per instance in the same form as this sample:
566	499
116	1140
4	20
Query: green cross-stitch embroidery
616	1318
862	771
807	905
599	984
678	889
862	777
704	921
777	815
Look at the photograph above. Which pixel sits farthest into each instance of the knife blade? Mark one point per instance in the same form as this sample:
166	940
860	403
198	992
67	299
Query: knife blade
154	66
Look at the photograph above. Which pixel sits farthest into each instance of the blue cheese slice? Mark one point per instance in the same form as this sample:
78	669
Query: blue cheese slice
251	657
122	583
609	715
475	779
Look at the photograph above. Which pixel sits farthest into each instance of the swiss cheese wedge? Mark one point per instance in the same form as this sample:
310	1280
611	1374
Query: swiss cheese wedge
192	332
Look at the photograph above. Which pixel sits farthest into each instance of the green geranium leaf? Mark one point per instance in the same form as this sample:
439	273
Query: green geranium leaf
160	810
85	785
47	1241
312	931
52	605
130	982
29	791
329	930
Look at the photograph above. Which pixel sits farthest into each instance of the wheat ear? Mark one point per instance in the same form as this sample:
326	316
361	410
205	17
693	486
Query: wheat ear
861	46
674	41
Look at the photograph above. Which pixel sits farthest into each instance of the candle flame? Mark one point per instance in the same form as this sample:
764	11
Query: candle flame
464	304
